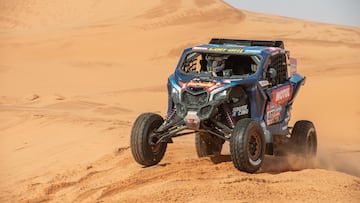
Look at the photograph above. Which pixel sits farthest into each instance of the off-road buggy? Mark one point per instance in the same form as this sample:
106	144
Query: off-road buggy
239	91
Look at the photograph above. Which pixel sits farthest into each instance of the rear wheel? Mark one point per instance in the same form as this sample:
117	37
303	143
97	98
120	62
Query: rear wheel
142	139
304	139
207	144
247	145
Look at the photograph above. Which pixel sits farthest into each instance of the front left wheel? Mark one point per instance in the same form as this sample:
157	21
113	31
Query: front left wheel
142	140
247	145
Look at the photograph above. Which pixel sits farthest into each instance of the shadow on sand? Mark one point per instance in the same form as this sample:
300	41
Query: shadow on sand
274	165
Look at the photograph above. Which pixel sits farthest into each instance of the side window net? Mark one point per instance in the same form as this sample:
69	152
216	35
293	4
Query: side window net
191	63
278	62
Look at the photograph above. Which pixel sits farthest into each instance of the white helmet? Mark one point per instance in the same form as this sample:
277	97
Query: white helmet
215	63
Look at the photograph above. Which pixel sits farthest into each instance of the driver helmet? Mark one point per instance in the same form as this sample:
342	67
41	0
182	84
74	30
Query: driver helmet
215	63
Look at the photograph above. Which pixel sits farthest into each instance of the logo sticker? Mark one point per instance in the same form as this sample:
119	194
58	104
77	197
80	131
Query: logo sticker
282	94
273	113
240	110
264	83
209	86
228	50
199	48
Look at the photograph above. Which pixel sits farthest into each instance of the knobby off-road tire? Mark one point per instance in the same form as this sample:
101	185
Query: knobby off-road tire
207	144
247	145
141	137
304	139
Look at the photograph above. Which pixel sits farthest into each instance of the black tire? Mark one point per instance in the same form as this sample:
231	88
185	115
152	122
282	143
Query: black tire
247	145
207	144
143	152
304	139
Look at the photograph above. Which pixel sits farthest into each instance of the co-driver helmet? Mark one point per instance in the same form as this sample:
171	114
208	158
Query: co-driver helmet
215	63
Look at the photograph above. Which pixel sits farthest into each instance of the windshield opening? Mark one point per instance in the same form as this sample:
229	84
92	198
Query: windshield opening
220	65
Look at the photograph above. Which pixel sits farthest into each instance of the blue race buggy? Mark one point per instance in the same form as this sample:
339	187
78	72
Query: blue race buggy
239	91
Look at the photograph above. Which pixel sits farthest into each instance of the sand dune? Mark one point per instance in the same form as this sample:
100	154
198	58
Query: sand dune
75	74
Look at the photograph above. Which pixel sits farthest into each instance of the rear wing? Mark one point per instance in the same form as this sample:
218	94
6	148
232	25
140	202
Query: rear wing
265	43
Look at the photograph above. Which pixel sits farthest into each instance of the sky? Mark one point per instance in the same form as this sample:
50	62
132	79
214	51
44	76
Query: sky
342	12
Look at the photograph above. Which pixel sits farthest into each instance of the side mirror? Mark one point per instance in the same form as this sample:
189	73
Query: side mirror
271	73
293	64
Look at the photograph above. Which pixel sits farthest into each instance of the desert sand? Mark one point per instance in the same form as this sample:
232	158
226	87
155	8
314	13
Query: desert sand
75	74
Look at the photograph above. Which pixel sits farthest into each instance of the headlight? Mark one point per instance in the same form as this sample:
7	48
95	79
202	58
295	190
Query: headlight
221	95
175	93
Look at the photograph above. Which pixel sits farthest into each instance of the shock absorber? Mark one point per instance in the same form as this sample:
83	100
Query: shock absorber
171	115
168	119
228	116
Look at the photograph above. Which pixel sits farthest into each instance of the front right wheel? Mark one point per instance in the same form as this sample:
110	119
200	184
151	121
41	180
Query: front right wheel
143	149
247	145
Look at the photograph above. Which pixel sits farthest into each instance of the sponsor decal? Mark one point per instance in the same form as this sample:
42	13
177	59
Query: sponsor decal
240	110
217	85
273	113
228	50
253	51
209	86
264	83
282	94
199	48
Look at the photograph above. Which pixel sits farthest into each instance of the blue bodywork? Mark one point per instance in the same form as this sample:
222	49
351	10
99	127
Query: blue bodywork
260	97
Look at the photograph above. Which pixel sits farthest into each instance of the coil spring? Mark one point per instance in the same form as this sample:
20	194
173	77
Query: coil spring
228	115
172	115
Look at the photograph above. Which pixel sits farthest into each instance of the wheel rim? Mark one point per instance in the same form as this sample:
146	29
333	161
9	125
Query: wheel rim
152	139
254	148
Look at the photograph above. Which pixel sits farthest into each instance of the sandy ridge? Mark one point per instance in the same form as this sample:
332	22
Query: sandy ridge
74	76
